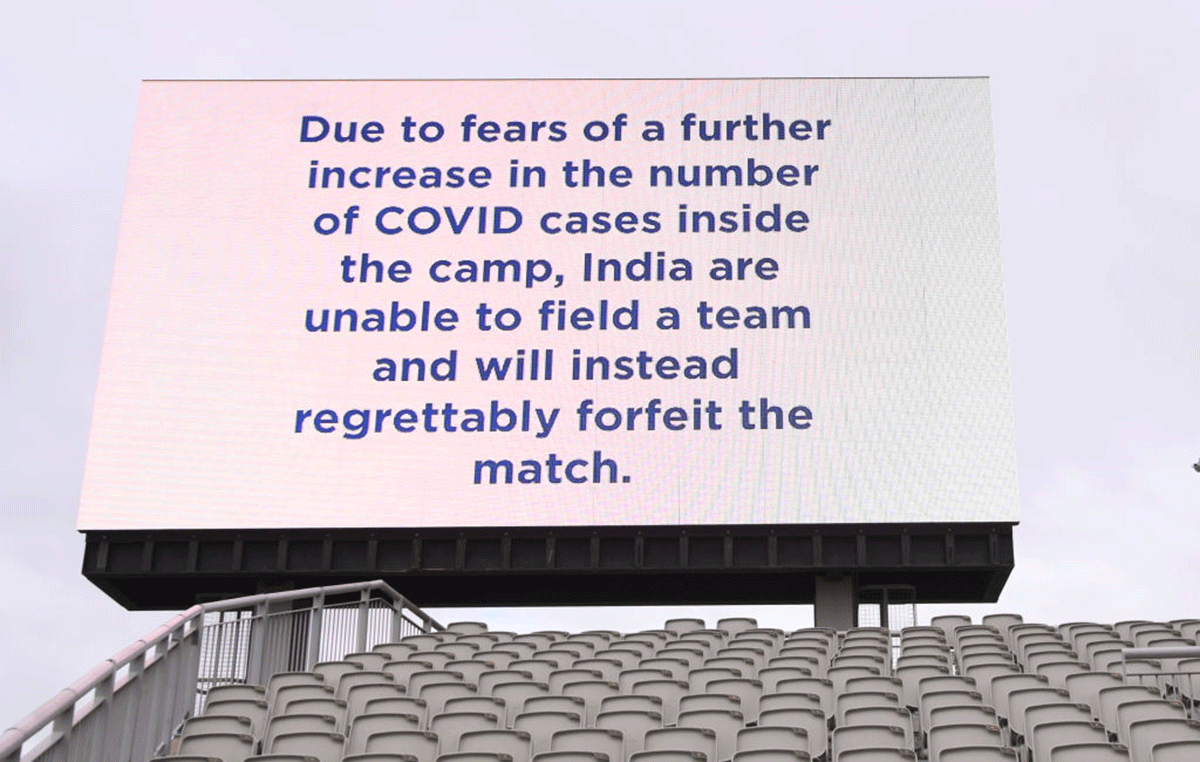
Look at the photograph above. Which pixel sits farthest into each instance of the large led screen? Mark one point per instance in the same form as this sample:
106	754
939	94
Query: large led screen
548	303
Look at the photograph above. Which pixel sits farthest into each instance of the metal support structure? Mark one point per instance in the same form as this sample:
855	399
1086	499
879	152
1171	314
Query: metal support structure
834	605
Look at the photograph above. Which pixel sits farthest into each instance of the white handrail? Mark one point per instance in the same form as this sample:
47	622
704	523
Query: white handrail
64	711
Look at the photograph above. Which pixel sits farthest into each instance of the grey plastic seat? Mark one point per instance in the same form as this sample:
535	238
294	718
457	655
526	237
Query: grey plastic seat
812	721
517	744
470	669
876	755
693	654
748	691
477	704
772	701
708	639
1090	752
236	691
1111	699
962	714
783	754
759	737
741	666
1176	751
811	657
514	695
986	673
1046	736
289	693
326	747
1057	672
1002	622
699	678
331	671
587	647
733	625
417	743
725	723
633	726
554	703
399	705
682	626
560	677
817	686
627	658
541	726
699	740
283	679
677	668
358	696
571	756
438	659
256	710
847	701
755	653
437	694
283	758
840	675
979	754
666	755
281	724
396	651
606	741
450	726
539	668
1085	688
489	679
1023	698
217	723
877	664
845	739
931	701
634	703
481	640
771	676
458	650
592	692
948	623
1004	684
723	702
945	737
402	671
423	641
474	756
499	656
1143	735
332	707
418	680
882	716
229	747
968	661
608	669
365	725
1130	712
911	676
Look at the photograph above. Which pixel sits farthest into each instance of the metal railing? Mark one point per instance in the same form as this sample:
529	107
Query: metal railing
128	708
1161	667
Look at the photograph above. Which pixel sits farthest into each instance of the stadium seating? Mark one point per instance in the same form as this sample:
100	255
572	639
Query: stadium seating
999	691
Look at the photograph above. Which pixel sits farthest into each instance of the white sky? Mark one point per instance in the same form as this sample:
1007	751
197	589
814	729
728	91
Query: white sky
1094	107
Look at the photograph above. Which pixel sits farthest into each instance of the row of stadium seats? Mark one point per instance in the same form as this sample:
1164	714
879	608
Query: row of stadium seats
1000	691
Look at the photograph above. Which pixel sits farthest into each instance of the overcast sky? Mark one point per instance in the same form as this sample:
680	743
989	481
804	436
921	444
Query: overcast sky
1095	106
